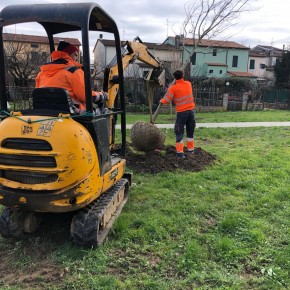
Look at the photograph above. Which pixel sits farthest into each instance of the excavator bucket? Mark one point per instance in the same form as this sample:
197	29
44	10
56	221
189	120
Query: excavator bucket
161	78
156	76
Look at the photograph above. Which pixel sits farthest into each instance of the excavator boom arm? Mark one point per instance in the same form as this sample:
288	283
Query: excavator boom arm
144	54
133	50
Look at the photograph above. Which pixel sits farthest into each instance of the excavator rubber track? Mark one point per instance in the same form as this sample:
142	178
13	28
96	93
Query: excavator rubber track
11	223
15	223
91	225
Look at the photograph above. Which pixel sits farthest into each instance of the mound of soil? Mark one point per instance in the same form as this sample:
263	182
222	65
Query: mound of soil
166	160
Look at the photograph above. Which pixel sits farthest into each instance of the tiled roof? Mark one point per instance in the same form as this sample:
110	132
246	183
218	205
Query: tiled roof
214	43
38	39
257	54
150	45
266	50
159	46
109	42
216	64
267	47
241	74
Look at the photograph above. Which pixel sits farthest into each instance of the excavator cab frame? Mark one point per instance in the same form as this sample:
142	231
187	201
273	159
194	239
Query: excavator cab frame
62	18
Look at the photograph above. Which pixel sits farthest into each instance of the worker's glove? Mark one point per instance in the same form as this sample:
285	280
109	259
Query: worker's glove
100	97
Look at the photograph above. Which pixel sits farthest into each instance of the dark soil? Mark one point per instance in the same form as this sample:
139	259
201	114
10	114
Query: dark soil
30	264
166	160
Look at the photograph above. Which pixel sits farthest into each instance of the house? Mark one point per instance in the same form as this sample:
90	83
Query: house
262	59
25	54
34	45
213	58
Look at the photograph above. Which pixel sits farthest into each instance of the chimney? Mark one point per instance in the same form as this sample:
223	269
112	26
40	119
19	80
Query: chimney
177	41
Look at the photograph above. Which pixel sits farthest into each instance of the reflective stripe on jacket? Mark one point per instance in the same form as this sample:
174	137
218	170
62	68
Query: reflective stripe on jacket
181	95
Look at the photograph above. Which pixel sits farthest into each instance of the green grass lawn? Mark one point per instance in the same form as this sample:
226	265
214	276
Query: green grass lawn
216	117
226	227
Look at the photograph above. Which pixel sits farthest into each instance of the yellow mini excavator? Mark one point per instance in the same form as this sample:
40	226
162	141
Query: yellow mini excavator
53	159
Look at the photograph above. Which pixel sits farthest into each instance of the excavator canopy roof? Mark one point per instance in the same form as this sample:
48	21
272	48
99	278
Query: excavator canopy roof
60	18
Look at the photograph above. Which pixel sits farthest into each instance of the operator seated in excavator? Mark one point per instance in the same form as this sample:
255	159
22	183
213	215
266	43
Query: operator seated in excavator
64	71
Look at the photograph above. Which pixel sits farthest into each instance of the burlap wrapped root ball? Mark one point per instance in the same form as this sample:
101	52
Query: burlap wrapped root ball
146	136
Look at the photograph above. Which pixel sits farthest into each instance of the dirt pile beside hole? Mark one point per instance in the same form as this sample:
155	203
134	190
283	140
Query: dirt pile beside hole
166	160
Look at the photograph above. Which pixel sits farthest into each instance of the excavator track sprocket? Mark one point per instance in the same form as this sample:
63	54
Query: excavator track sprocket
91	225
11	223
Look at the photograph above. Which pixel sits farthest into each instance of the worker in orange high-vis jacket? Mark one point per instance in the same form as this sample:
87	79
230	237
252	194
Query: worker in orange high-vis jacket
180	93
65	72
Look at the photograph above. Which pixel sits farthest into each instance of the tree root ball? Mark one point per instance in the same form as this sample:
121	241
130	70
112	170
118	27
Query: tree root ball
146	136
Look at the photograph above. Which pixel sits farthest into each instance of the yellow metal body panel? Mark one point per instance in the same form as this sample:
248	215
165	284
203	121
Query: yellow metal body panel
72	148
77	165
115	174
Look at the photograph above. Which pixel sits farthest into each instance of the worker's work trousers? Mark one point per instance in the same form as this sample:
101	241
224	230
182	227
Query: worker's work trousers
184	119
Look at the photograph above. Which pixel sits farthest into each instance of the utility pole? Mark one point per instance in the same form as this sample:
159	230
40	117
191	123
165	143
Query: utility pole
123	25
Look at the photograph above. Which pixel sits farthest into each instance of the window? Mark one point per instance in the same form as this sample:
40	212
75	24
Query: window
34	45
235	61
214	52
193	59
262	65
44	54
252	64
145	73
210	71
221	71
34	54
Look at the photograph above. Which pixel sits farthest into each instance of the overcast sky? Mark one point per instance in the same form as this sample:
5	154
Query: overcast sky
154	20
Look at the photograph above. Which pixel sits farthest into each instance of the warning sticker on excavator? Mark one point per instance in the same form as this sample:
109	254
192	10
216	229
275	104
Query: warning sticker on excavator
26	129
45	128
114	173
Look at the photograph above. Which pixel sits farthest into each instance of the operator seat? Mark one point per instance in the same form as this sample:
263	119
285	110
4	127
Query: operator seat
52	99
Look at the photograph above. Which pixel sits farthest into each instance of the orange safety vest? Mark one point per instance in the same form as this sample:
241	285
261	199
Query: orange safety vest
181	95
64	73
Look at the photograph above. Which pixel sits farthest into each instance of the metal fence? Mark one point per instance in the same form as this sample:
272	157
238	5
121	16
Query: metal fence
208	98
276	98
20	98
235	101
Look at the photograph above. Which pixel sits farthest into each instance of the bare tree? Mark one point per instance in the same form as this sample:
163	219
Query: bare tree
210	18
22	63
172	61
98	71
207	19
